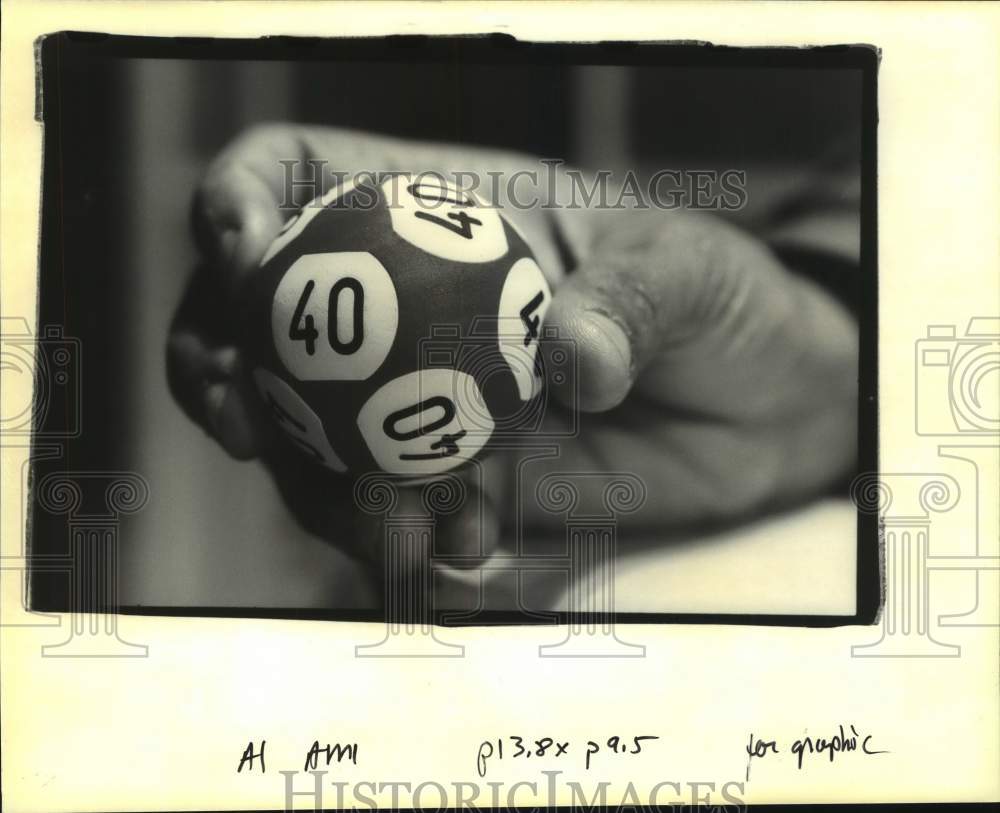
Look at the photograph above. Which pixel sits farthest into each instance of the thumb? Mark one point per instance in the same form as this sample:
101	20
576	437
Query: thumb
687	290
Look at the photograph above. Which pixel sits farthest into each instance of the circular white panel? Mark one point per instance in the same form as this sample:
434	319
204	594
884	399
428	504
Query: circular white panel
523	302
294	226
425	422
297	420
438	218
334	316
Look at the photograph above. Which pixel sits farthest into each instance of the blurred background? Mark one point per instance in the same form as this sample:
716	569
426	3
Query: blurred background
127	139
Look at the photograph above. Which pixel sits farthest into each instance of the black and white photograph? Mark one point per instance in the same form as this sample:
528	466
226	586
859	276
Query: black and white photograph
514	330
490	405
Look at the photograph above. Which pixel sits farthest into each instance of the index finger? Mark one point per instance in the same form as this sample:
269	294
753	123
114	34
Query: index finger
236	211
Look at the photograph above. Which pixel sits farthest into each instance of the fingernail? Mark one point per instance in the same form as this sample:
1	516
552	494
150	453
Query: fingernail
605	363
613	335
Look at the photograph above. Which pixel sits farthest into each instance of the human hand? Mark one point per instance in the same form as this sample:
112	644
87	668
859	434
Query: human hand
727	383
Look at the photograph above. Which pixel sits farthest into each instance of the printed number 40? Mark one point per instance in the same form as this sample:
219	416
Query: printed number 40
303	326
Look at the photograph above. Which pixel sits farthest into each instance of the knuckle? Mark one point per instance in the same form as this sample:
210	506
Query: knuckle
723	265
629	286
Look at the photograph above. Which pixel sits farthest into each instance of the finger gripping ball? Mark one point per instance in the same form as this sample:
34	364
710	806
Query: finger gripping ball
394	326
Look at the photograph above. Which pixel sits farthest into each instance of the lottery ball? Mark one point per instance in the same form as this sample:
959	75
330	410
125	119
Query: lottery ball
394	327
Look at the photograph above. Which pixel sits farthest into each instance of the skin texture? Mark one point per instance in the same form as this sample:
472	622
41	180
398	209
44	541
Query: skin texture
726	382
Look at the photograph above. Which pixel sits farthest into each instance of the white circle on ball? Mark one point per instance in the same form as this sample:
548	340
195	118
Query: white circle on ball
444	221
424	422
334	316
524	299
296	419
